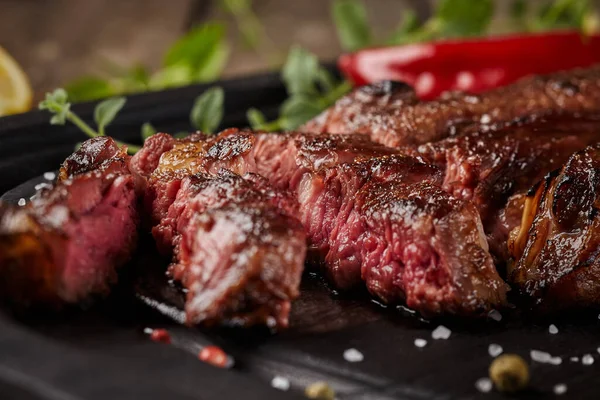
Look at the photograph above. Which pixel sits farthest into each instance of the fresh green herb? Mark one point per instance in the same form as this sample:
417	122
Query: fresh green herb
562	14
311	88
57	104
350	18
208	111
147	130
199	56
106	111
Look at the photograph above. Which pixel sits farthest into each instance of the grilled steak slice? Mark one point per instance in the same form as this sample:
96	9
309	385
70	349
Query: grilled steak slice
556	247
239	253
391	114
487	166
346	196
237	247
65	246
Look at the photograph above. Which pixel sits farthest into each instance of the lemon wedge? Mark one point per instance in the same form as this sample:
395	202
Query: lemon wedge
15	91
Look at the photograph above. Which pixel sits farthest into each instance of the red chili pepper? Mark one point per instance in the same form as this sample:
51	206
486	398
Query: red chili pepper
161	336
214	355
471	65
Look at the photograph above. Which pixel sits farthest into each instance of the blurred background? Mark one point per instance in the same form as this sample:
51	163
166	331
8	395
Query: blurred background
60	41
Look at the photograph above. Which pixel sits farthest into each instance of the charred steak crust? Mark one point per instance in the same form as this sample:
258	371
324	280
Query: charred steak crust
556	247
348	188
237	246
488	165
391	114
65	246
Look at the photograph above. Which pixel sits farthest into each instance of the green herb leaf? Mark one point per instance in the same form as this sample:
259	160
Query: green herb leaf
169	77
106	111
464	17
89	88
297	110
350	18
208	110
198	47
300	71
213	65
147	130
256	118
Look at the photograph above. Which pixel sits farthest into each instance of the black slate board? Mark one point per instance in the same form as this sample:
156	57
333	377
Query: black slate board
103	353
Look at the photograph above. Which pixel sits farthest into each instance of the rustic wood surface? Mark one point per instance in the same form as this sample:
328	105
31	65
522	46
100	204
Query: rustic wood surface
59	40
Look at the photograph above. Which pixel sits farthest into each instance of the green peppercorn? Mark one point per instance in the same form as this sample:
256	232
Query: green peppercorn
319	391
510	373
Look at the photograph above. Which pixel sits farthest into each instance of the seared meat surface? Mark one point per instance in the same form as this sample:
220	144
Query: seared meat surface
391	114
489	165
556	247
65	246
237	246
371	216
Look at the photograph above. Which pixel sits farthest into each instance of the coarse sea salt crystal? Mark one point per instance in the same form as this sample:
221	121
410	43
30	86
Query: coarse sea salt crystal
353	355
49	176
555	360
495	315
22	202
485	119
574	359
540	356
420	342
281	383
587	359
561	388
495	350
484	385
553	329
441	332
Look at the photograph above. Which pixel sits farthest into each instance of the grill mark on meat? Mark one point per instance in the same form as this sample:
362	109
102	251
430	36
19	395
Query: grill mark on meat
238	248
333	176
556	247
393	116
65	246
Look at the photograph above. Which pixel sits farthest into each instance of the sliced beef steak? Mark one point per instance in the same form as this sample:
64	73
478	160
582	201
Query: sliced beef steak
237	246
391	114
66	245
487	166
348	190
556	247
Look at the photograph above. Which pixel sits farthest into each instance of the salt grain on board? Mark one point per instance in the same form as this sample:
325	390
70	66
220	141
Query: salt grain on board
22	202
575	359
587	359
420	342
441	332
553	329
561	388
353	355
555	360
495	350
540	356
281	383
484	385
496	316
49	176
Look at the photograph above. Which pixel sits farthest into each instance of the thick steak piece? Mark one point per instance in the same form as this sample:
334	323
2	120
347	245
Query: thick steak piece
237	246
391	114
556	247
66	245
489	165
348	190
